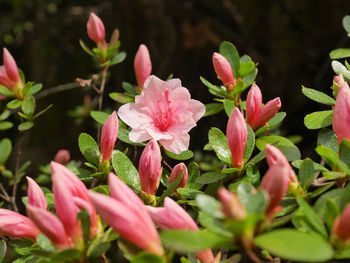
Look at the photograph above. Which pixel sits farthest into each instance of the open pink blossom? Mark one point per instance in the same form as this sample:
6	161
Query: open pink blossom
164	112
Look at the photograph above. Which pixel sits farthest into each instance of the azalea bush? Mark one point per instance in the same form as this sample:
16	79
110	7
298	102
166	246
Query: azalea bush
247	197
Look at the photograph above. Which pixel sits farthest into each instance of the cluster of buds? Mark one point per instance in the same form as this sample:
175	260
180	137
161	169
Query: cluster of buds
125	209
9	75
173	216
257	116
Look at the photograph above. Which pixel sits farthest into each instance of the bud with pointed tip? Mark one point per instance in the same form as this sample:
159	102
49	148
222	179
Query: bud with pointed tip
224	71
275	183
36	196
341	225
177	171
150	169
230	205
16	225
341	113
337	83
236	132
274	155
50	225
96	29
9	75
173	216
142	65
126	222
109	136
62	157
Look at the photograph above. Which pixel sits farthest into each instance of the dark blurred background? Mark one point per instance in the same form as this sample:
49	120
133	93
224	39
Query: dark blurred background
289	39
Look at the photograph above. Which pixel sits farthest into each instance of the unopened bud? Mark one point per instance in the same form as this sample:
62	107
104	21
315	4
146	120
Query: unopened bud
230	205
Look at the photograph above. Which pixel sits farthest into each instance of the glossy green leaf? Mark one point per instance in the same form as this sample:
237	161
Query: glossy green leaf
214	225
89	148
318	119
286	146
34	89
331	158
328	138
86	48
245	68
123	135
14	104
99	116
277	119
229	51
185	241
213	89
2	250
129	88
209	205
171	189
250	144
250	78
254	202
344	151
340	53
146	257
193	174
318	96
346	23
185	155
210	177
340	68
229	106
121	97
4	115
125	170
213	108
84	218
317	166
307	173
28	105
5	125
118	58
25	125
5	91
219	143
293	245
5	150
67	255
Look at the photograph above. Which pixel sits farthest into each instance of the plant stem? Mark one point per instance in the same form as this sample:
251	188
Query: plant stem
56	89
15	185
100	101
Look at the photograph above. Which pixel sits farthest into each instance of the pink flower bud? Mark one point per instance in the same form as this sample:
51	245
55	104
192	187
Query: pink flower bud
177	171
142	65
274	155
267	112
275	183
150	169
224	71
36	196
337	83
50	225
173	216
341	113
253	106
123	219
236	132
11	67
341	225
62	157
65	207
96	29
230	205
109	136
4	80
16	225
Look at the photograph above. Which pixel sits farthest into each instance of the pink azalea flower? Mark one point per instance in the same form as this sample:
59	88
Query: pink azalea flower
164	112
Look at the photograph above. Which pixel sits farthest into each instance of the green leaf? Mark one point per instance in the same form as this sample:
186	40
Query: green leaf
67	255
25	125
213	225
86	48
121	97
219	143
43	111
340	68
245	68
312	218
125	170
34	89
229	51
99	116
250	78
28	105
239	87
4	115
346	23
123	135
6	92
229	106
185	155
253	175
277	119
84	218
249	147
328	138
89	148
215	90
146	257
307	173
210	177
331	158
5	125
317	166
344	151
45	243
118	58
209	205
318	96
340	53
193	174
97	248
14	104
129	88
286	146
213	108
5	150
254	203
293	245
318	119
2	250
185	241
172	187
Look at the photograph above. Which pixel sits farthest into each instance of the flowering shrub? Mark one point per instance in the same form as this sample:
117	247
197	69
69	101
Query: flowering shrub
230	211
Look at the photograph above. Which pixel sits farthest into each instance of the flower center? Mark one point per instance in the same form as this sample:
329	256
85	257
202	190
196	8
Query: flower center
162	116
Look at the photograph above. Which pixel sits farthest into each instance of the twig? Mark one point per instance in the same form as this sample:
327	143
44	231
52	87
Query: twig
56	89
4	194
167	165
100	101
